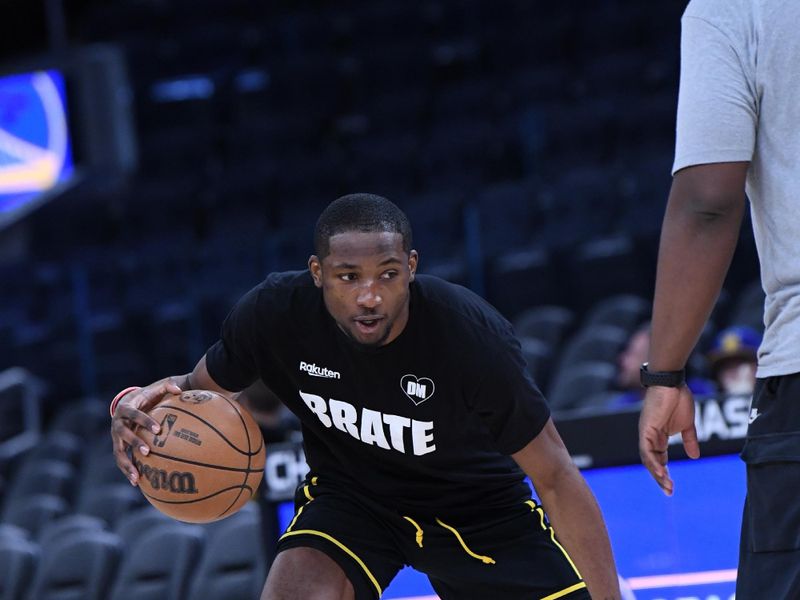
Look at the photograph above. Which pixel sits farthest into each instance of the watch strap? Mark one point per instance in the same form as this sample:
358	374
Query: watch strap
650	378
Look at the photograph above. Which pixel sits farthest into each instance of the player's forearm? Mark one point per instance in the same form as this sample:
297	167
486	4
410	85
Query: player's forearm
697	243
578	523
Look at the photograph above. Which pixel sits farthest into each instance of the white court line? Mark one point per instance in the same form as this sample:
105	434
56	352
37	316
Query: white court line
680	579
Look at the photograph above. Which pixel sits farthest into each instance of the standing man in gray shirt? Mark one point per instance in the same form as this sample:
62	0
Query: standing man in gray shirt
738	130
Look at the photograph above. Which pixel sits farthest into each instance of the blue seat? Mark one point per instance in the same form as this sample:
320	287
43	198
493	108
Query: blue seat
519	280
574	387
31	513
78	566
44	476
160	564
233	564
548	323
625	310
594	343
61	446
18	558
138	522
55	530
110	502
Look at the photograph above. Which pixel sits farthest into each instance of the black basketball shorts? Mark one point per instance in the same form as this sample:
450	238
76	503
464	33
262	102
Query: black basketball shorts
512	554
769	553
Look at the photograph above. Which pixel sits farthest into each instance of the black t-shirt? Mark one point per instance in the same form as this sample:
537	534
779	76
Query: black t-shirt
424	423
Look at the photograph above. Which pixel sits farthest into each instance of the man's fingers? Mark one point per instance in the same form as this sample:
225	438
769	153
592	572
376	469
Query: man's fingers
130	414
173	388
665	482
134	441
655	462
134	415
653	452
148	397
123	462
690	443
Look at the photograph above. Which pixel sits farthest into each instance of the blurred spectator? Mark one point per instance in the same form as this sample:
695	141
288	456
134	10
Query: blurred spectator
629	362
733	360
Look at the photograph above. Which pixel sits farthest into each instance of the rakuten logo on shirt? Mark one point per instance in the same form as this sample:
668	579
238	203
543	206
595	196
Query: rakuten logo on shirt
316	371
390	432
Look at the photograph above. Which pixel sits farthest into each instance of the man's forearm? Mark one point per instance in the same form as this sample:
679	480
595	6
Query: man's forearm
576	518
698	239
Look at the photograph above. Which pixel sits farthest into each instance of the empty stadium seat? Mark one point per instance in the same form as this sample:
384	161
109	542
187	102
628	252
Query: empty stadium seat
33	512
110	502
624	311
136	523
7	530
539	357
56	445
99	467
546	323
17	564
574	387
159	565
608	266
44	476
77	566
53	531
233	564
86	419
521	279
592	343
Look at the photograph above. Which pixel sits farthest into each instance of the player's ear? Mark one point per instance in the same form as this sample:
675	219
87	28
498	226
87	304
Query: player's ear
413	259
315	266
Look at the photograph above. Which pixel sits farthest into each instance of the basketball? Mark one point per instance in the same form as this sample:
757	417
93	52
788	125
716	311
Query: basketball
206	462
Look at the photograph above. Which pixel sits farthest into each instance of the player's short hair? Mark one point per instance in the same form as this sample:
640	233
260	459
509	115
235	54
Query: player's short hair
360	212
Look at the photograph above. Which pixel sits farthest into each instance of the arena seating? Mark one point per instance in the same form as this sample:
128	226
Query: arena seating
69	513
530	146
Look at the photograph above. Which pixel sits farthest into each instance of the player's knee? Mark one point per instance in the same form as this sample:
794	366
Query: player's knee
306	574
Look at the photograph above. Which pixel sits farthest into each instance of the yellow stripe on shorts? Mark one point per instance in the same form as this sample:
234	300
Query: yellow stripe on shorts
565	591
538	509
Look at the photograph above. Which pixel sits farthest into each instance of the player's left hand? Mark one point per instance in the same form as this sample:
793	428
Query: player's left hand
666	411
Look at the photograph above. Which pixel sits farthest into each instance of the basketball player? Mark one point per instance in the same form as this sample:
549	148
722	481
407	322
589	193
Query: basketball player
738	129
420	422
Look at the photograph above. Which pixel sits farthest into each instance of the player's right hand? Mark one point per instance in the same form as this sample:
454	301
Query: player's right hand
666	411
131	413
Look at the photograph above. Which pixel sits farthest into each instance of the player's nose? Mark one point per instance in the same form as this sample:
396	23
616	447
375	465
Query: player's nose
368	296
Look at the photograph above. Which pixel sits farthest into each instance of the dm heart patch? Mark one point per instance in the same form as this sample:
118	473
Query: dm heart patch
418	389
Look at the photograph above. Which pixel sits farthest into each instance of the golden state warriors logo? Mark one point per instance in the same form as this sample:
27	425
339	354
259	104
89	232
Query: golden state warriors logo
34	139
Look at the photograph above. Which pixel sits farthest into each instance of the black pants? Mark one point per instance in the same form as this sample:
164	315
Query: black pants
512	554
769	554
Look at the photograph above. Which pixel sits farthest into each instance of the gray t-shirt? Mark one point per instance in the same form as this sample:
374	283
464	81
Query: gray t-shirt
740	101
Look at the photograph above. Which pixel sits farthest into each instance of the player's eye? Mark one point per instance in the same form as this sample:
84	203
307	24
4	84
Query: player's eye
347	276
389	275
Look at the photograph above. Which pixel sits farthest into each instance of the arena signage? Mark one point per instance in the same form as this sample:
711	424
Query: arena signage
284	470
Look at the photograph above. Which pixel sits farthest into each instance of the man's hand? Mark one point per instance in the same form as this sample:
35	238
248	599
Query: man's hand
131	412
666	411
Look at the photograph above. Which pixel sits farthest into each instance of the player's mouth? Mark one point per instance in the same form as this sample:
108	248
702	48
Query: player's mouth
368	324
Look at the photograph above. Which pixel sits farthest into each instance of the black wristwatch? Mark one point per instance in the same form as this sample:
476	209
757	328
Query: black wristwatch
664	378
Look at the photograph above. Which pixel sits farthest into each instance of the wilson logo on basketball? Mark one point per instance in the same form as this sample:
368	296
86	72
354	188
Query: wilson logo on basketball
177	482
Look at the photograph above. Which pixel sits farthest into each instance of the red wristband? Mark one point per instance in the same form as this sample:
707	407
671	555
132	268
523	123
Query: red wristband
120	396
